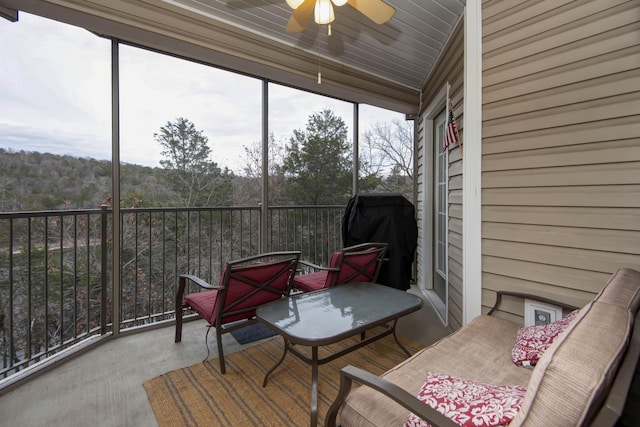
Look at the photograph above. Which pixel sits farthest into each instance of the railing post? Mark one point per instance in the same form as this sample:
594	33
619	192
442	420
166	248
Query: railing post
103	269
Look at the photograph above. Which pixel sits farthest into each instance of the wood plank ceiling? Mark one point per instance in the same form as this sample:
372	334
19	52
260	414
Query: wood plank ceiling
384	65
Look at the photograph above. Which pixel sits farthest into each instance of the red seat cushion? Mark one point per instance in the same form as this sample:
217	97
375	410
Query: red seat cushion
310	282
203	304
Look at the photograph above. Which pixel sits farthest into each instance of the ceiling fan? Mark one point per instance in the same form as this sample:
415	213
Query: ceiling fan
376	10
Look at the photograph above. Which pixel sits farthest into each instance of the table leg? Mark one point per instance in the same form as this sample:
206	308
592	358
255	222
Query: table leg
398	341
284	353
314	386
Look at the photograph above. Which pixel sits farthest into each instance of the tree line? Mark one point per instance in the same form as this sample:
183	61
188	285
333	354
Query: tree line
313	166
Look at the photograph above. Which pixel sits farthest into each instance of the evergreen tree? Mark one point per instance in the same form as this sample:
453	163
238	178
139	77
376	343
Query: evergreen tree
195	177
318	161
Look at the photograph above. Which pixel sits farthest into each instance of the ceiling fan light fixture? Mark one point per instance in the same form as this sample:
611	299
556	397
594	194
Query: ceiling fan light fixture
376	10
294	4
323	12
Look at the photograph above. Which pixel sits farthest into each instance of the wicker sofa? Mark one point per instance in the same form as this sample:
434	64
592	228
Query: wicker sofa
582	379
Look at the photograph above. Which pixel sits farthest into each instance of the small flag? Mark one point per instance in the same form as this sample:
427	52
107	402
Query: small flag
451	132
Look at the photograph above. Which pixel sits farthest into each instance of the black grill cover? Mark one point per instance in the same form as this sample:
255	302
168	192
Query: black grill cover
384	217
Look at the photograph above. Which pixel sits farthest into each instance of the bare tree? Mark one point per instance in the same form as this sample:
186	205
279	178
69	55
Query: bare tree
390	147
253	172
387	150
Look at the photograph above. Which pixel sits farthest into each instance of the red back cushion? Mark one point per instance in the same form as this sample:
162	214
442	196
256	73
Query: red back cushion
333	262
244	293
354	262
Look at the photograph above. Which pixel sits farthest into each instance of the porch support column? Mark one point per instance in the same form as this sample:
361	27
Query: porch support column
472	163
116	282
264	206
356	147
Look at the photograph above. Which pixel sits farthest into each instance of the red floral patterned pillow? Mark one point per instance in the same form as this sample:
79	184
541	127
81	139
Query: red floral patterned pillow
468	403
532	341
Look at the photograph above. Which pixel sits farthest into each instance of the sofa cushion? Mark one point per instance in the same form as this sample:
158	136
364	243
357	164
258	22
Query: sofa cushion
532	341
623	288
572	377
468	403
480	351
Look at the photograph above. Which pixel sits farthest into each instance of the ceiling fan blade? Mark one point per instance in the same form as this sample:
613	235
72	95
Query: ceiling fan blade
376	10
300	17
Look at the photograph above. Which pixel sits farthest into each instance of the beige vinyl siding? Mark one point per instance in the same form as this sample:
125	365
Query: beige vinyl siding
560	146
449	69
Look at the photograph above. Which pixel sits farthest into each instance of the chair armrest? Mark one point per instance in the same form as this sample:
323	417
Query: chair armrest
398	394
198	281
182	283
316	267
500	294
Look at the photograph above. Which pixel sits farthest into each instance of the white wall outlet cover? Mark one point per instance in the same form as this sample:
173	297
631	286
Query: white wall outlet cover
539	313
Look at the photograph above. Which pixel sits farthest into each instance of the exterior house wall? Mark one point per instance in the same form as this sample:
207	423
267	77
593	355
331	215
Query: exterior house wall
560	146
560	149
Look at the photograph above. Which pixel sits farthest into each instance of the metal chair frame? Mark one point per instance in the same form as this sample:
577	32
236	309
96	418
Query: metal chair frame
233	315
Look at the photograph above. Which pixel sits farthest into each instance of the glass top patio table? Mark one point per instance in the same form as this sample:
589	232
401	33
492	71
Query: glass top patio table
327	316
330	315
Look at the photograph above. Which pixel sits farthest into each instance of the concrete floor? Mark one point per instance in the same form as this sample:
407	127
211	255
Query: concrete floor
103	387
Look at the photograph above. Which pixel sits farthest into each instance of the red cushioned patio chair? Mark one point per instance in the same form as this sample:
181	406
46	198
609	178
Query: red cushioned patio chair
358	263
245	284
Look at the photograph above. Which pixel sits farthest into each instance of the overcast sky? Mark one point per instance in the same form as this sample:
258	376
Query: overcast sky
55	92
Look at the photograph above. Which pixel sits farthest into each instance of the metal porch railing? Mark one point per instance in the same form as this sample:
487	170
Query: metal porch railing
56	287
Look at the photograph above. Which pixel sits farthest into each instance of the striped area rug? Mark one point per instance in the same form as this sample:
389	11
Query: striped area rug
199	395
